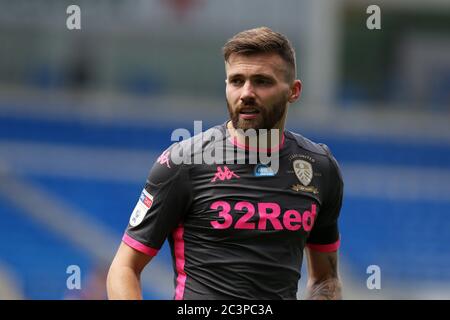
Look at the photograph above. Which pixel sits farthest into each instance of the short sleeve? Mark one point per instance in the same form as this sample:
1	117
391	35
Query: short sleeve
161	205
325	235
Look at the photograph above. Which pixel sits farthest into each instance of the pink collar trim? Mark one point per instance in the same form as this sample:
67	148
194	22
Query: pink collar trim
234	141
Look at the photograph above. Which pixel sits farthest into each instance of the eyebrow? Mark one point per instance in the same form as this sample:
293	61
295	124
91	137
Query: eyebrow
258	75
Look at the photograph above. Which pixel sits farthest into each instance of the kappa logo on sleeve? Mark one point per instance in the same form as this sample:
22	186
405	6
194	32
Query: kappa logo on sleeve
163	159
144	204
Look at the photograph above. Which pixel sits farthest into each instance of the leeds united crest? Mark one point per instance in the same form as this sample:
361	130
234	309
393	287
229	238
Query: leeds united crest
303	170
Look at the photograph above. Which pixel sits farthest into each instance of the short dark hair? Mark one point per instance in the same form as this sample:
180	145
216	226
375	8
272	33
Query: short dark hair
262	40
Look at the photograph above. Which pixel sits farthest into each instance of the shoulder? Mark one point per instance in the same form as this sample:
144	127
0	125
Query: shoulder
184	152
308	145
320	149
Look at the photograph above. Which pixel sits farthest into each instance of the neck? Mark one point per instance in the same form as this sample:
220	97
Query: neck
270	140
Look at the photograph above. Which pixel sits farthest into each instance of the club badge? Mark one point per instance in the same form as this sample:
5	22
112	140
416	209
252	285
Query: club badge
303	170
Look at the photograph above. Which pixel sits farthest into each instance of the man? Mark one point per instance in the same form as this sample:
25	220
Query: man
238	231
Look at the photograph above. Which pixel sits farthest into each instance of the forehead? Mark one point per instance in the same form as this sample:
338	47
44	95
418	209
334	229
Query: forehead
259	63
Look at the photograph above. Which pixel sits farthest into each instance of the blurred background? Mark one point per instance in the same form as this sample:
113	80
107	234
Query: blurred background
85	113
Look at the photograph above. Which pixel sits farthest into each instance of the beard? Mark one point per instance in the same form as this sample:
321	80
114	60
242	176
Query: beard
267	117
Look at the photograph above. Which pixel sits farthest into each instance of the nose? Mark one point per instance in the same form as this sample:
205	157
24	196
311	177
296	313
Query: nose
247	93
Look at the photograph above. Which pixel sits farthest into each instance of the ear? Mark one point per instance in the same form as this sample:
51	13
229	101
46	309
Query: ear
296	90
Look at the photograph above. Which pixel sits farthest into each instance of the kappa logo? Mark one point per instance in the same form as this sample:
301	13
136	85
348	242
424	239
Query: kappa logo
164	159
303	170
224	174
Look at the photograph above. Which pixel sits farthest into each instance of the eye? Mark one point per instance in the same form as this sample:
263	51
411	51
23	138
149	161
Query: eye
236	81
263	81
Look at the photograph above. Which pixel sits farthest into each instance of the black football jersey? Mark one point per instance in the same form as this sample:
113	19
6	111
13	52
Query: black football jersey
238	230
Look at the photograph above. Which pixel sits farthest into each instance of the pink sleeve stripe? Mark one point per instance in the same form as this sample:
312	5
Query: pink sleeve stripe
325	247
180	262
139	246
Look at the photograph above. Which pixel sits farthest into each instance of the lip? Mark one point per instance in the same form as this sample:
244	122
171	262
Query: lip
249	109
248	116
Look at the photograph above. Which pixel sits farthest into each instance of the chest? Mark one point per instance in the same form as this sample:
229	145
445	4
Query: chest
243	201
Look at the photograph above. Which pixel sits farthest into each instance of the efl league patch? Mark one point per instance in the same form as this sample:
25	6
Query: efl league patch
144	204
262	170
